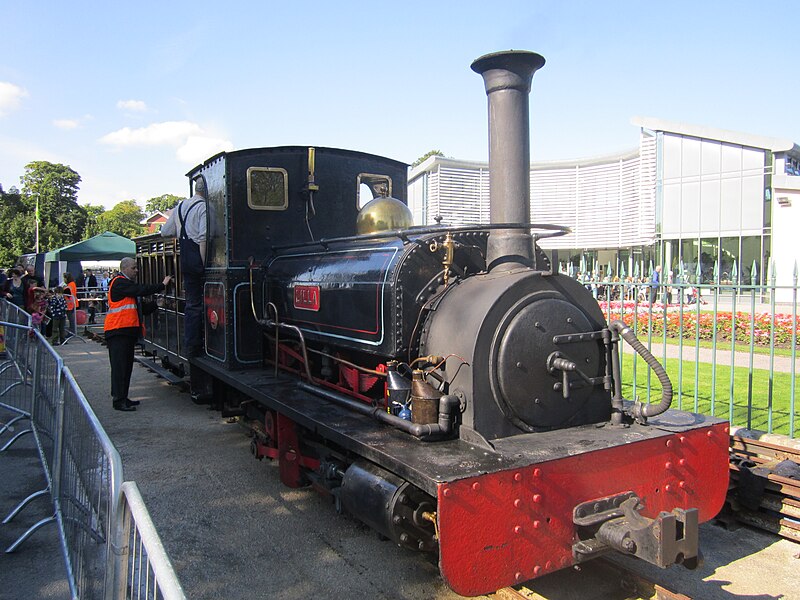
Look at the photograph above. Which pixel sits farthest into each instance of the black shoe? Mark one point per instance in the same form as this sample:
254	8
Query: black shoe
130	402
123	406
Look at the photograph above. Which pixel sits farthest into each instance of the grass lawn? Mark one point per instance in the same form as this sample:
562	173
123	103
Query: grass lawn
748	396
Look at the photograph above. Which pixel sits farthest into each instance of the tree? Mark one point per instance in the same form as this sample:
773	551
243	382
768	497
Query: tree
93	214
124	219
17	238
53	189
161	203
426	156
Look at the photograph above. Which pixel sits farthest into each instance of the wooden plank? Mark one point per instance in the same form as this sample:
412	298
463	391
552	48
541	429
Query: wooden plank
753	448
642	586
788	507
776	483
783	527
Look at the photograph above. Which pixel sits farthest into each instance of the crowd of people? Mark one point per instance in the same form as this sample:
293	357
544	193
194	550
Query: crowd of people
54	309
656	288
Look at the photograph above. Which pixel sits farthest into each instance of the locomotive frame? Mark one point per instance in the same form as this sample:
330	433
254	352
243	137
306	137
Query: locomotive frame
520	456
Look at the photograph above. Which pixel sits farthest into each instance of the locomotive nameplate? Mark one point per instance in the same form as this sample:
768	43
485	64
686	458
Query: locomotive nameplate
306	297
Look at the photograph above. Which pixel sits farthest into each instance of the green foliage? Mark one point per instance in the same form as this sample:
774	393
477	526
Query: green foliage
161	203
54	189
18	225
426	156
93	213
124	219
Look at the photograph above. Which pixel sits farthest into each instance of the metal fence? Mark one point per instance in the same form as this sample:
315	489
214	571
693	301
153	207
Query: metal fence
13	371
94	512
730	349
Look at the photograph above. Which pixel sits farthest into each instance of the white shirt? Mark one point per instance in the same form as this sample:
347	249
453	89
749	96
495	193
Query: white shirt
195	220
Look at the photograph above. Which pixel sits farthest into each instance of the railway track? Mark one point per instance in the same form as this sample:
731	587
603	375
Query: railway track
769	500
618	583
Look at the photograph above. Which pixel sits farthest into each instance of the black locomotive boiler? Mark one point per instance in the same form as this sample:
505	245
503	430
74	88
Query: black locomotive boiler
442	384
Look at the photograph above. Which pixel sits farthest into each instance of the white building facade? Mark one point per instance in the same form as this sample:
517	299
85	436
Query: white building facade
713	202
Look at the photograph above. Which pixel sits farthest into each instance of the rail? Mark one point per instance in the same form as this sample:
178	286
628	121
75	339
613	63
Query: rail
92	507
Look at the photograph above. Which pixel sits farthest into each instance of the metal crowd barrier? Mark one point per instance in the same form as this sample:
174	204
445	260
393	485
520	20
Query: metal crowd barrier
145	572
93	511
14	371
96	295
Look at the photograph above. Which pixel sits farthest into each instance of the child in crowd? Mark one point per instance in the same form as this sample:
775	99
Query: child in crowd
92	311
58	312
38	308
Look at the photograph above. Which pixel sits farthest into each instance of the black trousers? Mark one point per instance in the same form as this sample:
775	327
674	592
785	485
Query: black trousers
120	354
192	269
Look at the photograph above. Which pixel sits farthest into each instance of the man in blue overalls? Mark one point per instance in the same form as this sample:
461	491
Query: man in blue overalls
187	222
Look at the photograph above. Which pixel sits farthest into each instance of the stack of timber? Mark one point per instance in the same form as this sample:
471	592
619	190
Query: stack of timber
764	490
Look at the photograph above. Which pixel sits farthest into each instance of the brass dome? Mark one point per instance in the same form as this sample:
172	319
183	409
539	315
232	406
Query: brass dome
383	214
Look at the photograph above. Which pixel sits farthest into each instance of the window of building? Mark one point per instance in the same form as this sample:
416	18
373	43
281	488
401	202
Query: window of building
752	201
709	250
690	207
267	188
731	204
728	255
672	257
751	253
671	209
711	158
710	205
689	254
690	158
769	169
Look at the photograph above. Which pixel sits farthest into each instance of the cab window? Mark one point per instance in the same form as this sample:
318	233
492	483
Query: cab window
267	188
372	186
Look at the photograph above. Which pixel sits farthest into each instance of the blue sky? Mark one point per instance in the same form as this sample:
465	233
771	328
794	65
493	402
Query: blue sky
132	95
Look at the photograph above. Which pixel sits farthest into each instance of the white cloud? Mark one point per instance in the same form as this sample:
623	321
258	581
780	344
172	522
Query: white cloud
66	124
193	144
132	105
168	133
10	97
198	148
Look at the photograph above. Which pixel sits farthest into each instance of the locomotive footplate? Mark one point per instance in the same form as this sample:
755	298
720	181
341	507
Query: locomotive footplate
426	465
510	508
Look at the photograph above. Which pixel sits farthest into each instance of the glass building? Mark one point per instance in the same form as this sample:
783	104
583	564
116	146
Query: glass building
709	201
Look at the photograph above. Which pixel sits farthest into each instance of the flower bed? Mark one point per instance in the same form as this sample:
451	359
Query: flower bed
688	323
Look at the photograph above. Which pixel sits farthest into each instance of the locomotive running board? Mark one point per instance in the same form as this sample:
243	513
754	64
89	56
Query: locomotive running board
151	364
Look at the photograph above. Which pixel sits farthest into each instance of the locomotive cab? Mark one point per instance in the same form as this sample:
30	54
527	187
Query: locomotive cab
262	199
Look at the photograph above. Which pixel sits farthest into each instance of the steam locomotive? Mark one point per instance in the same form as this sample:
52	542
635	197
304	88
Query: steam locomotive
442	384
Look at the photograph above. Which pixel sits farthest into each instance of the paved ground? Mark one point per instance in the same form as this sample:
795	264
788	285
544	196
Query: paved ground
688	352
233	531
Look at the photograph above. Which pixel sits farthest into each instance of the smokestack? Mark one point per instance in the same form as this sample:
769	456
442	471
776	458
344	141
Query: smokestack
507	77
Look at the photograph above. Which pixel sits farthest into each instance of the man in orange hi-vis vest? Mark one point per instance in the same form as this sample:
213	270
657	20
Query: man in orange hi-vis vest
123	326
